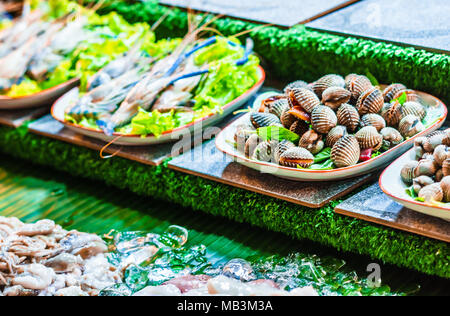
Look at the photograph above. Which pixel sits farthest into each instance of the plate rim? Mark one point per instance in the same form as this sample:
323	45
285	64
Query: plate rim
400	199
248	93
338	170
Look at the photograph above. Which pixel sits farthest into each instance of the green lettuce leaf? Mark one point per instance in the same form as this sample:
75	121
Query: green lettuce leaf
277	133
324	155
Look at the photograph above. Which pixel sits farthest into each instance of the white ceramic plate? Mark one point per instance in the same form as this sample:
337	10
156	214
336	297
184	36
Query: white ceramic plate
60	105
43	98
392	185
225	140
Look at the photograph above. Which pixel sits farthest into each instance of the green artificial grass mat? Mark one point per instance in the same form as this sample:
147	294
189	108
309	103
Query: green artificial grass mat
322	226
300	53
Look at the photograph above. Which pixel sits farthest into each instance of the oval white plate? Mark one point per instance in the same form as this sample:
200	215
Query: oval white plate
43	98
60	105
393	186
225	140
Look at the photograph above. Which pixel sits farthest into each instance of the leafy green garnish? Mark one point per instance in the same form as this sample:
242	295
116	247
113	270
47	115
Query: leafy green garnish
401	99
325	154
411	192
277	133
376	154
327	165
419	199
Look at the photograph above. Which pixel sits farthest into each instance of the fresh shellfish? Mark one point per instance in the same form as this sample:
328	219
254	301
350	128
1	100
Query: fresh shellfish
287	119
251	144
368	137
439	175
349	117
408	171
421	182
370	101
432	193
299	127
326	82
304	98
411	95
312	141
268	103
334	97
374	120
446	140
346	152
263	152
335	135
392	113
426	167
391	91
357	84
391	137
433	141
297	157
281	148
259	119
414	108
445	186
295	85
440	154
278	107
410	126
446	167
323	119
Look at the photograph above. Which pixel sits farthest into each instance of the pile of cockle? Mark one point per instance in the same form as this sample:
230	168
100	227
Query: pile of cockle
42	259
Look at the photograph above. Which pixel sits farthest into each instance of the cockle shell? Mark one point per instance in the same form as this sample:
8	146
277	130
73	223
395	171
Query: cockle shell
414	108
446	140
312	141
263	152
410	126
335	135
407	172
287	119
281	148
440	154
432	193
346	152
297	157
411	95
357	84
374	120
391	91
326	82
348	116
439	175
251	144
299	127
334	97
370	101
368	137
391	137
323	119
445	186
433	141
278	107
243	133
421	182
304	98
426	167
392	113
268	103
295	85
446	167
259	119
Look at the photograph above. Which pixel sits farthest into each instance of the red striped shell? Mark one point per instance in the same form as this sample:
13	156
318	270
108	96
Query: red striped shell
368	137
335	135
370	101
392	113
348	116
408	171
323	119
312	141
299	127
357	84
303	98
334	97
295	85
281	148
346	152
297	157
374	120
391	91
326	82
410	126
287	119
414	108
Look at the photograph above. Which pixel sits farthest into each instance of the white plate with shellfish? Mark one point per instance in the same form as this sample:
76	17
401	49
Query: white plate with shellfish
332	129
420	179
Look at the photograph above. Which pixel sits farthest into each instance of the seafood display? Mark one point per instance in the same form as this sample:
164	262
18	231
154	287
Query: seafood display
429	174
197	79
42	259
332	123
